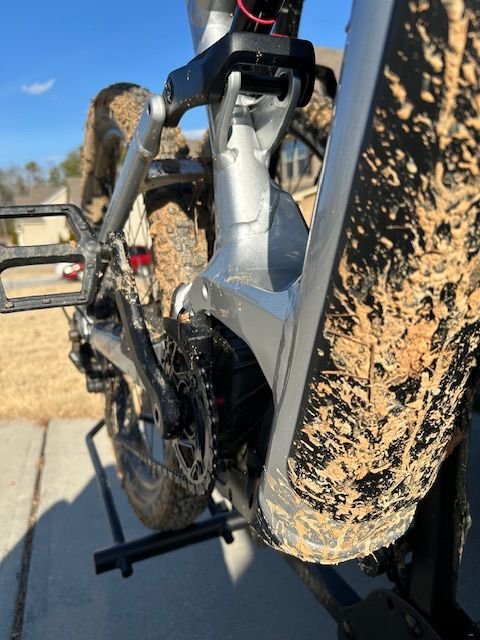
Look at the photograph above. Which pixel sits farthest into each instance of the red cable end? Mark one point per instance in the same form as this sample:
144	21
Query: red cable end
262	21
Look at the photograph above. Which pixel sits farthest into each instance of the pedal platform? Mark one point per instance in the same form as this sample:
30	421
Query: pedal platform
85	248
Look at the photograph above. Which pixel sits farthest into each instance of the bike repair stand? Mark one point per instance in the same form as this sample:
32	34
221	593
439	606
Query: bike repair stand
121	555
422	603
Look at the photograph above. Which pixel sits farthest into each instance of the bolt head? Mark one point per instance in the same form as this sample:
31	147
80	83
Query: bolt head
348	629
169	90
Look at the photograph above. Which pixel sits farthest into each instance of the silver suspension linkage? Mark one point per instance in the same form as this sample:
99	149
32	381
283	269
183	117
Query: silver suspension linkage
141	151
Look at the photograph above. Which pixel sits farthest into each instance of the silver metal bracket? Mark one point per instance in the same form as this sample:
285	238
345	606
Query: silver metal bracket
270	115
141	151
260	235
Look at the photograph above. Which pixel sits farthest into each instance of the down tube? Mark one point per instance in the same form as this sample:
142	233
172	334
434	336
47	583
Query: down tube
394	346
287	517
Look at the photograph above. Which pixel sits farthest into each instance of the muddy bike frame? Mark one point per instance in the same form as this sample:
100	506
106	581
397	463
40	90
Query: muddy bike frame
269	278
366	327
268	275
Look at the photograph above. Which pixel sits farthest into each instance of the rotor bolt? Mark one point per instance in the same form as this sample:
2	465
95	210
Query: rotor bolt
348	630
412	624
169	90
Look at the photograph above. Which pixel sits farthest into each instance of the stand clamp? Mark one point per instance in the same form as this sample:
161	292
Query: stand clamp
121	555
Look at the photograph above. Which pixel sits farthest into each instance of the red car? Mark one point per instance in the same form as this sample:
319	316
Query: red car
140	259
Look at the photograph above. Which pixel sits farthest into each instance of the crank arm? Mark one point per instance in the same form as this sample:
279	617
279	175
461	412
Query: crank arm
166	407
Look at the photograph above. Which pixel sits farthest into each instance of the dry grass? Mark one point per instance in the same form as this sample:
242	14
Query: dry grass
37	380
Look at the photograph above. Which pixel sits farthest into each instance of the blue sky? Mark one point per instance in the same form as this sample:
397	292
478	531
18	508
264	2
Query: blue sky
55	56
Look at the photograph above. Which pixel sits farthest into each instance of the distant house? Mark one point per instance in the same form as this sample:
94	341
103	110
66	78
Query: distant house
48	230
332	58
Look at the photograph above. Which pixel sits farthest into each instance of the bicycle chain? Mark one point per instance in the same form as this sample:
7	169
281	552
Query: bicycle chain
158	469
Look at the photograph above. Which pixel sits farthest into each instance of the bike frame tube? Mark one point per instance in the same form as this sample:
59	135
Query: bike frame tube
209	21
262	282
278	317
369	25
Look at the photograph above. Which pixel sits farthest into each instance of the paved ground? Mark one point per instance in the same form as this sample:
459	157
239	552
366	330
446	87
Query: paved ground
208	592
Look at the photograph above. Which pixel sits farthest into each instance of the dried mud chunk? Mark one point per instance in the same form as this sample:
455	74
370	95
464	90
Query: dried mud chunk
178	230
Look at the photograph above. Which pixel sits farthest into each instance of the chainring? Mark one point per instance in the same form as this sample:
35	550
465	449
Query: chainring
191	378
195	445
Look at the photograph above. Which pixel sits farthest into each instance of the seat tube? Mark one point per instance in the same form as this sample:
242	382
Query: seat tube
209	21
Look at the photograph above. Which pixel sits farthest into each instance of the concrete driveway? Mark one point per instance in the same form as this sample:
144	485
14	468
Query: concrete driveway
52	521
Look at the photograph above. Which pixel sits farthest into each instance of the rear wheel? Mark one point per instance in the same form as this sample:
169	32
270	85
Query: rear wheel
154	481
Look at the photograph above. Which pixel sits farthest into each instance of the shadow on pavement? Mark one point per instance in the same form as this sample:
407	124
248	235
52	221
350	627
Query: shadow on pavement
209	591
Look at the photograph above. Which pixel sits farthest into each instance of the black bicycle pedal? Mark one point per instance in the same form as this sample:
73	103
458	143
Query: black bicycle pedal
84	249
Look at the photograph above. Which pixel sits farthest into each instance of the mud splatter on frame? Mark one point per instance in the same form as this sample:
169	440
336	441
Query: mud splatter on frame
401	330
